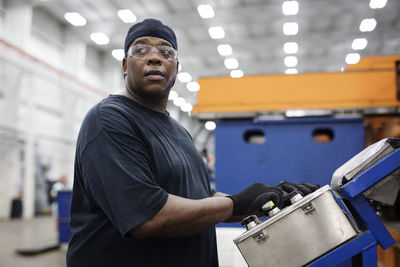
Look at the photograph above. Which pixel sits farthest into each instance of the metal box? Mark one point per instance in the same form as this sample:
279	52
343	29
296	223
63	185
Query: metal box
298	234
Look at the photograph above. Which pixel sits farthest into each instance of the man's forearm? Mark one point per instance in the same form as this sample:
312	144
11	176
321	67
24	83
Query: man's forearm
182	217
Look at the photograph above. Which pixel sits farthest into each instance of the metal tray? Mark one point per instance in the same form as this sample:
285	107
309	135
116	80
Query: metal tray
298	234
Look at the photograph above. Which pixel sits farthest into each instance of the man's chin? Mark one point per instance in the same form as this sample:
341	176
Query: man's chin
154	92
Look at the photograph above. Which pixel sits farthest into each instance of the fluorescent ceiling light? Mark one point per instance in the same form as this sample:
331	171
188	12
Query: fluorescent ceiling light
291	71
290	28
75	18
210	125
180	67
118	54
216	32
99	38
179	101
184	77
295	113
172	95
236	74
290	47
126	15
367	25
352	58
231	63
186	107
193	86
290	61
359	44
205	11
224	50
290	8
375	4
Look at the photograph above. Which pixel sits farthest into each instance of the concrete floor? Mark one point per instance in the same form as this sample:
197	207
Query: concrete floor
34	233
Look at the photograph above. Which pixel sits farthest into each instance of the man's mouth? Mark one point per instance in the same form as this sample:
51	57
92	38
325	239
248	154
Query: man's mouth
154	75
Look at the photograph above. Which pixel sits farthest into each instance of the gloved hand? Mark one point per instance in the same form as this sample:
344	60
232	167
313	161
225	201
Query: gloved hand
251	199
303	189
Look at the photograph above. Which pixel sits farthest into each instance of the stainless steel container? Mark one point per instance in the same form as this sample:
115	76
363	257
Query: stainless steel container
298	234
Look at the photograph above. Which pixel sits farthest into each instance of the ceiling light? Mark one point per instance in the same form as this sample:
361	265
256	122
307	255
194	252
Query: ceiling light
236	74
290	28
99	38
216	32
367	25
291	71
179	101
193	86
186	107
290	47
126	16
205	11
75	18
118	54
352	58
179	67
210	125
374	4
184	77
231	63
359	44
172	95
224	50
290	8
290	61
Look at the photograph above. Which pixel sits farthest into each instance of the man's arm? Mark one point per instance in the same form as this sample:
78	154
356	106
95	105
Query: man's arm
231	219
182	217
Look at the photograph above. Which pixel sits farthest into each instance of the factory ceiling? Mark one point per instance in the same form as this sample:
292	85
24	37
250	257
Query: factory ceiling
329	32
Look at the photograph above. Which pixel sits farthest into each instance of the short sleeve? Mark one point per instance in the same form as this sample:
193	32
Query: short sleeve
117	172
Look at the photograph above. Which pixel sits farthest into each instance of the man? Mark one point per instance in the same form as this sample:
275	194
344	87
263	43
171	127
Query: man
141	193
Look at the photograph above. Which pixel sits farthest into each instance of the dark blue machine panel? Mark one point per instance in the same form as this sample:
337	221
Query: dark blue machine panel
288	153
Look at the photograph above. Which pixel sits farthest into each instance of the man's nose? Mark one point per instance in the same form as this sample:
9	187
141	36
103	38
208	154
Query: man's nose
154	57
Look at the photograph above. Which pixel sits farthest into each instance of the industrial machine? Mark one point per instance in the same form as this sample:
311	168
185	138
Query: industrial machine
298	127
335	225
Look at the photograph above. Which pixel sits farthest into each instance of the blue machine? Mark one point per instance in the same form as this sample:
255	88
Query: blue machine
289	152
379	182
343	231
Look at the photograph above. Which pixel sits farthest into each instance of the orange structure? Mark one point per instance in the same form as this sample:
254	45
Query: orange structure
371	83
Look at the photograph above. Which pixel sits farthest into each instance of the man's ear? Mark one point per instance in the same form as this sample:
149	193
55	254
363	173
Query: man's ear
124	67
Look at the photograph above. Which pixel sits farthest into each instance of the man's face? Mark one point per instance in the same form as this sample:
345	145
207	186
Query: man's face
152	75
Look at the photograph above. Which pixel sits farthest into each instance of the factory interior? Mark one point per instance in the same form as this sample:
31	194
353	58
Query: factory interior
269	90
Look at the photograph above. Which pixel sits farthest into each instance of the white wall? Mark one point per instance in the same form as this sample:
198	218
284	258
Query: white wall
49	78
41	107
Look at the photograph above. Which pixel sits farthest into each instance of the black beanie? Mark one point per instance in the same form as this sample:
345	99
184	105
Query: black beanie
150	27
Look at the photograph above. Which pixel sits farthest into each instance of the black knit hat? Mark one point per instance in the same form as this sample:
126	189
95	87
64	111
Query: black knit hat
150	27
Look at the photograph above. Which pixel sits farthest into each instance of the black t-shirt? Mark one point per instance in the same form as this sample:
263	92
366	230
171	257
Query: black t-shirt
128	159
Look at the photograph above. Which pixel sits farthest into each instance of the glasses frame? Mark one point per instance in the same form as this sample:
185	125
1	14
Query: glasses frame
148	54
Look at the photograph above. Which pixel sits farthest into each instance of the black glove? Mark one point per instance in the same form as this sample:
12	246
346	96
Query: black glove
303	189
251	199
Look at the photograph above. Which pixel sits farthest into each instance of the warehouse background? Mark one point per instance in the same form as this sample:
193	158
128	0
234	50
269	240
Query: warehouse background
58	58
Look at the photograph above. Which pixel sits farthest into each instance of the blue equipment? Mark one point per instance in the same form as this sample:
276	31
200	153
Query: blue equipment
378	182
289	151
333	226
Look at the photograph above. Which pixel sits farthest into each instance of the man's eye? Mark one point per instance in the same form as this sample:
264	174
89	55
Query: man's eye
140	50
164	50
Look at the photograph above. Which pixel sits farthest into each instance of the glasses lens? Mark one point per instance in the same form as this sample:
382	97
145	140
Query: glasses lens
145	50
